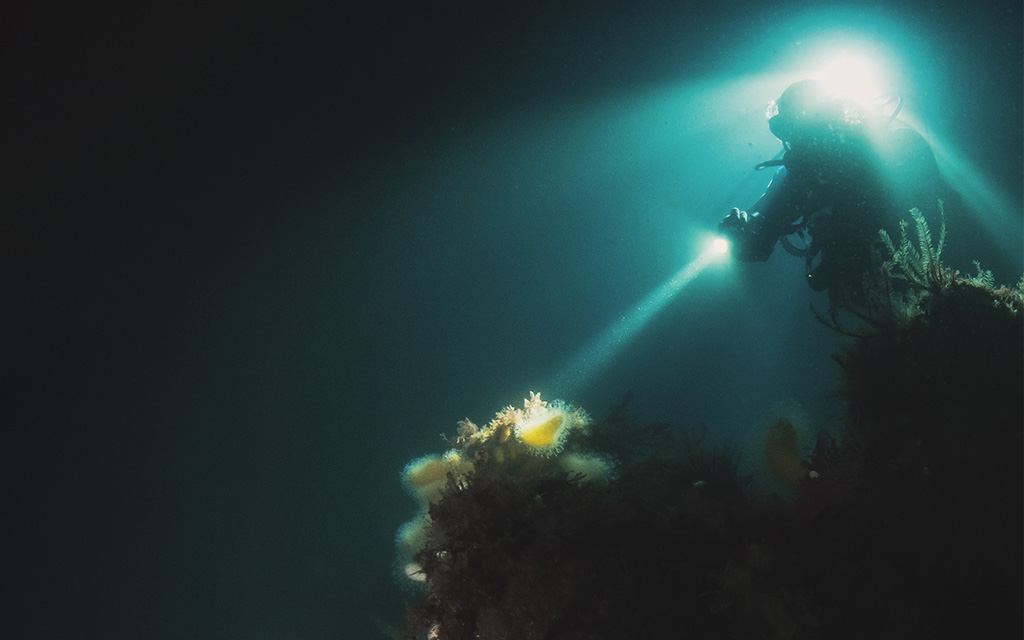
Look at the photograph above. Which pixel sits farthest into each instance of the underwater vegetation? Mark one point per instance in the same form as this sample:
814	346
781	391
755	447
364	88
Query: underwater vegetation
907	524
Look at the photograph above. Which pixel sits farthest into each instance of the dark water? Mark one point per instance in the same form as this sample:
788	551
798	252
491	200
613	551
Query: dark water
257	262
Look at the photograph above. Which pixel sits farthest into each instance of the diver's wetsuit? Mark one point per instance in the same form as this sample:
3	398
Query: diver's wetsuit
840	190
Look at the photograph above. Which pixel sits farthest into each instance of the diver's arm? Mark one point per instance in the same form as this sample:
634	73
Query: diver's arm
750	234
754	234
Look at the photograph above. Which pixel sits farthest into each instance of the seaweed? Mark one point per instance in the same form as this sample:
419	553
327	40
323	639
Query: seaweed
920	265
524	549
984	279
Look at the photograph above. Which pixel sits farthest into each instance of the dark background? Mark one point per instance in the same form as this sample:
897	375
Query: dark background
246	277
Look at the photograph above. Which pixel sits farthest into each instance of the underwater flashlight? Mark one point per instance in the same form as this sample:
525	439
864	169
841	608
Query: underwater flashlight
720	245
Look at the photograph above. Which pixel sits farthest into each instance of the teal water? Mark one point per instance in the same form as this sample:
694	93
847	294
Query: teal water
264	260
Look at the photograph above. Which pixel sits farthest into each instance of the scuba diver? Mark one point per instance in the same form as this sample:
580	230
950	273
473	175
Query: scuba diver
844	175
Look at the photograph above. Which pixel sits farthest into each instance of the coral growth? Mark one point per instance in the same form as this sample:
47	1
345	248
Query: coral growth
515	437
540	428
576	546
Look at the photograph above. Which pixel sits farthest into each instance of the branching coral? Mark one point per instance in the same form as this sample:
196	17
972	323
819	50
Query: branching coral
514	438
540	428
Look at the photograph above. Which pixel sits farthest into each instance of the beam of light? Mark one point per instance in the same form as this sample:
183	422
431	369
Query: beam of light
616	337
992	209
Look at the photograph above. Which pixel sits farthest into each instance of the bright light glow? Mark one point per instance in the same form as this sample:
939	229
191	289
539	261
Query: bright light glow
720	245
857	69
607	345
852	76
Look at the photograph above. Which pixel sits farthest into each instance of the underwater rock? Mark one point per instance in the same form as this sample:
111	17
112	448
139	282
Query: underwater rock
907	524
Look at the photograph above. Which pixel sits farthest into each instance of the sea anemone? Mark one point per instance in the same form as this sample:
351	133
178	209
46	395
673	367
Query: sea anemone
777	446
593	467
409	541
424	478
543	427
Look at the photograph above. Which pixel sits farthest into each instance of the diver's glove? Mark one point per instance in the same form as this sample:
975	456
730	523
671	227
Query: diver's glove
734	224
751	237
